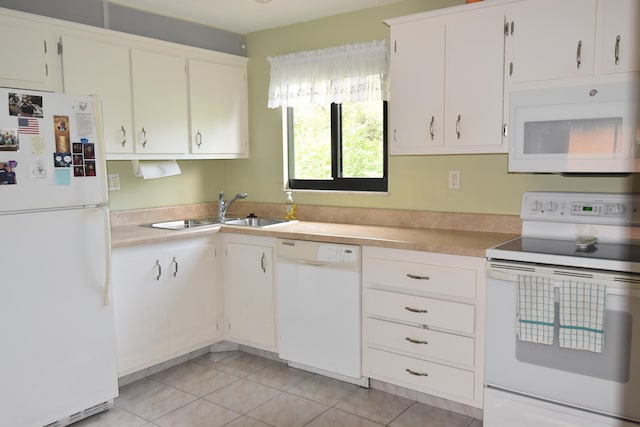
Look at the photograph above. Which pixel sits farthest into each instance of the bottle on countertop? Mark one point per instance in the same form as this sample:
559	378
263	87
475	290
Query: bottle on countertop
290	208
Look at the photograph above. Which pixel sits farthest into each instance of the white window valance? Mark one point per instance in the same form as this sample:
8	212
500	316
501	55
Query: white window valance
350	73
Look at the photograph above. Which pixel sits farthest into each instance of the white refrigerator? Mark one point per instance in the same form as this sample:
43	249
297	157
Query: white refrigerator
58	357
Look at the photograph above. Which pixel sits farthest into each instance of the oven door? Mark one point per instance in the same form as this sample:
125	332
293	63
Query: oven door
607	382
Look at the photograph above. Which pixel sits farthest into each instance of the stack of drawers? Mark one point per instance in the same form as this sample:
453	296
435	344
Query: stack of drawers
422	326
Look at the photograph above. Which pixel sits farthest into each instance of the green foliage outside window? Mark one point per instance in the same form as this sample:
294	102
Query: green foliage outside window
362	141
362	144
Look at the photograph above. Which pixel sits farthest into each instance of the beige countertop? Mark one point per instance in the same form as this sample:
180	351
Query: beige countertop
454	242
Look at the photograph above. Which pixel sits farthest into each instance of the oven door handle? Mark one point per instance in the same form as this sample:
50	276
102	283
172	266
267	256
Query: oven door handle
507	275
614	287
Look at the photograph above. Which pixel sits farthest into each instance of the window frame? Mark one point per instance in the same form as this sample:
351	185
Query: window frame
337	182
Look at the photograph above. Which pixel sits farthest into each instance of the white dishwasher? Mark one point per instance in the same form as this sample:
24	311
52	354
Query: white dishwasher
318	290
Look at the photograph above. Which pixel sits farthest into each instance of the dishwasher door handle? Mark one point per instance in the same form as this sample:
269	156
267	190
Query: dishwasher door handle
310	262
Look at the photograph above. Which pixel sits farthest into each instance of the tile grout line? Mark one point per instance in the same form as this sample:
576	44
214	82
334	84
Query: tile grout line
178	408
319	415
398	416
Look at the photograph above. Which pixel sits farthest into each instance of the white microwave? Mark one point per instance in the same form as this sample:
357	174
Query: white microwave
589	128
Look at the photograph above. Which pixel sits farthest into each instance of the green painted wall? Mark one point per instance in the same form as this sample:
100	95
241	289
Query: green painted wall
415	182
200	181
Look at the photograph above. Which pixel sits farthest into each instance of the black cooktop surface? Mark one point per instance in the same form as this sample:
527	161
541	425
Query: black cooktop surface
599	251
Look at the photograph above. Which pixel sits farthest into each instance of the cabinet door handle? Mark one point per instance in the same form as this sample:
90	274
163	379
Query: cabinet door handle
262	263
124	135
417	374
416	310
411	340
198	139
458	125
617	50
144	134
579	55
416	277
506	28
395	135
433	119
175	270
159	269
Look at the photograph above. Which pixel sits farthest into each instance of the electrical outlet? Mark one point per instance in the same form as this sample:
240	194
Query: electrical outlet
454	180
114	181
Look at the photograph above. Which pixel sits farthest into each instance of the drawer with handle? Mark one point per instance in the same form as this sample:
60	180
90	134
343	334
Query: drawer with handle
420	342
419	374
425	311
454	281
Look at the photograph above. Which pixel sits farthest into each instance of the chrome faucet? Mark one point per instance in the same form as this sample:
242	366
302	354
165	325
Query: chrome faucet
223	207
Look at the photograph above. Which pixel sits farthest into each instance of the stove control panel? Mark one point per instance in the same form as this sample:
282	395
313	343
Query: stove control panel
586	208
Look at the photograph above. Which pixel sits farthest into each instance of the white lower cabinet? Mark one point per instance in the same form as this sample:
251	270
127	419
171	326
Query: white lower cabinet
420	374
423	322
167	299
249	291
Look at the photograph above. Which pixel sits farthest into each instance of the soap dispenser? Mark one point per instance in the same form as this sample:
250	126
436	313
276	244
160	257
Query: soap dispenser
290	208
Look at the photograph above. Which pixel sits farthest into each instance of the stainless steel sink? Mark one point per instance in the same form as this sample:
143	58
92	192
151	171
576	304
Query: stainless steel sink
254	222
183	224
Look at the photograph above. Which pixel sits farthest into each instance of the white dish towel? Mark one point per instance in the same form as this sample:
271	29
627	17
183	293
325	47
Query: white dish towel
582	308
535	317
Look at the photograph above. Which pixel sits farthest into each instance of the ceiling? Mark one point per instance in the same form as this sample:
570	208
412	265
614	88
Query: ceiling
247	16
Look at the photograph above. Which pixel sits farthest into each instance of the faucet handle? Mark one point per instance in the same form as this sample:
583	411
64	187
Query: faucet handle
221	196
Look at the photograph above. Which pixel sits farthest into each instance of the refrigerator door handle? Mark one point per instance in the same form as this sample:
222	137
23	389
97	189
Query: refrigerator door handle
107	272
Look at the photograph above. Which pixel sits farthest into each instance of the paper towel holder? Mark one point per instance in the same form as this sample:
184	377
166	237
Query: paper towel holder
161	168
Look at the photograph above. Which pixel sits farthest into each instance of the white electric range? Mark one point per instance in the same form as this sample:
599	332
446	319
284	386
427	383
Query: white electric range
582	238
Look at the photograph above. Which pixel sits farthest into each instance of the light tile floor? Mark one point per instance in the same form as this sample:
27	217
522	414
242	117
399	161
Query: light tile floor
238	389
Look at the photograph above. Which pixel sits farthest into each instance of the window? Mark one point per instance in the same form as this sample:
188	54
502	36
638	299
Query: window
335	111
338	147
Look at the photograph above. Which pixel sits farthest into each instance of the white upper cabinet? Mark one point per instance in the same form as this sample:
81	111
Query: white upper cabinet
132	84
159	103
474	82
417	91
151	105
219	110
159	100
447	81
620	36
554	40
29	55
108	76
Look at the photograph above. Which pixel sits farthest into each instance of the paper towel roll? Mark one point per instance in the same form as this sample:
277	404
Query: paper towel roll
152	170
